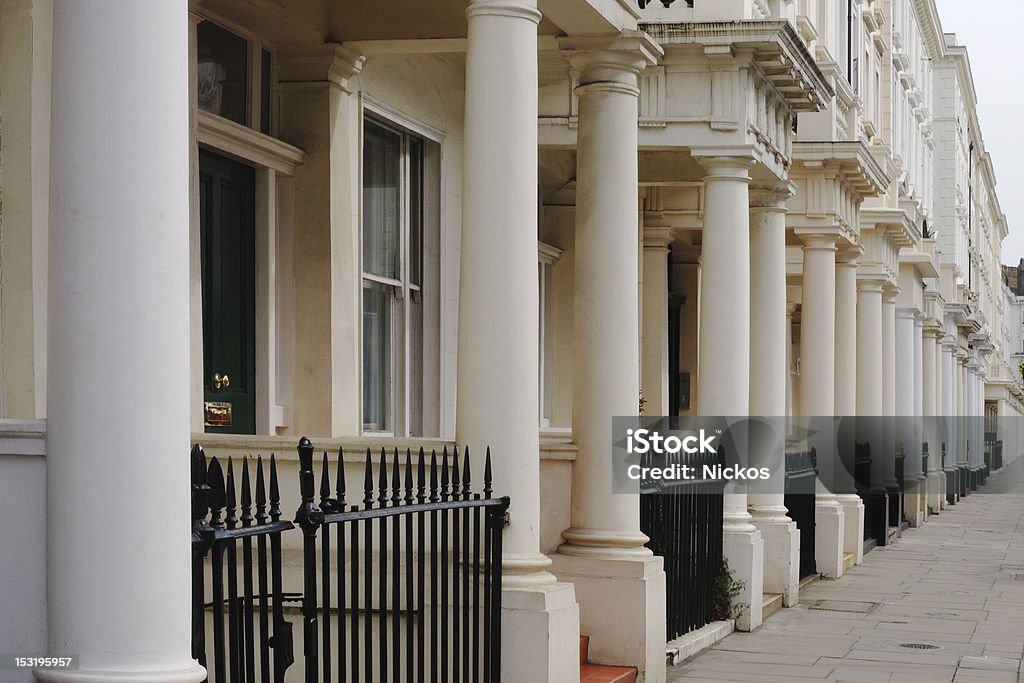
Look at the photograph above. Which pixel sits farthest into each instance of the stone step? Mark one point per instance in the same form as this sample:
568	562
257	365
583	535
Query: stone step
808	580
849	559
770	604
599	673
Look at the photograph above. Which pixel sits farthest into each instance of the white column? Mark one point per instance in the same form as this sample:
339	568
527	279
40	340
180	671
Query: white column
817	389
915	455
932	391
963	423
654	377
970	411
723	383
118	535
846	335
887	455
846	401
869	371
906	340
768	378
949	388
604	554
497	393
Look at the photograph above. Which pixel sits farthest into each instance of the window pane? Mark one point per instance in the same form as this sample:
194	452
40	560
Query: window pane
382	150
377	356
223	63
415	211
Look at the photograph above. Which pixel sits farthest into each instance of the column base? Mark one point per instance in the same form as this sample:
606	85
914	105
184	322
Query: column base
936	491
540	633
912	503
743	549
781	541
829	525
190	672
622	609
853	525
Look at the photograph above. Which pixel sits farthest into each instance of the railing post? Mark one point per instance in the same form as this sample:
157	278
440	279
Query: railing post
309	518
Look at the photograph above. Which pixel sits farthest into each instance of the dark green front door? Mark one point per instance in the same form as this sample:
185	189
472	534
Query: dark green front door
226	201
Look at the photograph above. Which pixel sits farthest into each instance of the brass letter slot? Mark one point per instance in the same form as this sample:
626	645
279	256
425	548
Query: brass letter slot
217	414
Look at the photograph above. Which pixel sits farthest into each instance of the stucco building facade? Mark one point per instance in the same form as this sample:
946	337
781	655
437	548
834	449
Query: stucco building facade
491	223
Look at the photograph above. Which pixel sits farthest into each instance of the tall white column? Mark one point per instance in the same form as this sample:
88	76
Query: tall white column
604	554
916	463
906	339
118	536
497	393
846	402
869	371
817	389
654	377
963	424
887	455
723	383
932	392
970	412
949	388
768	379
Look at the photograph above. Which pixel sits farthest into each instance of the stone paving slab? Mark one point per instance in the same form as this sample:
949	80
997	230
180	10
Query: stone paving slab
956	584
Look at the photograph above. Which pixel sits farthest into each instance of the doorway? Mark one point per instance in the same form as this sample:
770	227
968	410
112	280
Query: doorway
228	254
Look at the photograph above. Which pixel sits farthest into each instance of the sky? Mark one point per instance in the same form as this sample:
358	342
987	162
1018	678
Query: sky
991	30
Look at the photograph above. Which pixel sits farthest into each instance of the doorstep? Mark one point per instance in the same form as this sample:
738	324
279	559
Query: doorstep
849	559
808	580
695	642
770	604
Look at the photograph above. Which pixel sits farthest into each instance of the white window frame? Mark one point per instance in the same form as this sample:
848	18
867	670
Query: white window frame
254	65
396	121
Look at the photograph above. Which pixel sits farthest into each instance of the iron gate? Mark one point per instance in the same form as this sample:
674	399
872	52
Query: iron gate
405	586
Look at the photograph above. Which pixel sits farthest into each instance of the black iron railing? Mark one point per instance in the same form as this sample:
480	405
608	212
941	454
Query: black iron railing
801	473
256	644
405	586
683	519
415	591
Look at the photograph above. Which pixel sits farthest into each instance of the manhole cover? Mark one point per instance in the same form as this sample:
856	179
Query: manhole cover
919	646
844	606
942	614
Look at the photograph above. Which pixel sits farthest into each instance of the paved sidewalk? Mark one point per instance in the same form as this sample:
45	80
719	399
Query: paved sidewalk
949	606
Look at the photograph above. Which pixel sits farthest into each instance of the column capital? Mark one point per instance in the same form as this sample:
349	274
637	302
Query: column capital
725	163
817	240
889	293
870	284
331	64
849	256
657	238
610	63
906	311
515	9
771	196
